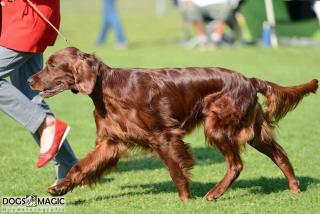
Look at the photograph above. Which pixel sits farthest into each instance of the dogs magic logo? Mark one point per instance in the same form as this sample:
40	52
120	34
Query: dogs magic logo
32	203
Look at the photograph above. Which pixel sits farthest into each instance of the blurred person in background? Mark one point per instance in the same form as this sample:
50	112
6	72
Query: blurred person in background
196	12
24	36
111	20
316	8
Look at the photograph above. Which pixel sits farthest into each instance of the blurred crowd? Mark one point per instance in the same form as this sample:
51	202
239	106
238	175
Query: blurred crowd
206	22
210	19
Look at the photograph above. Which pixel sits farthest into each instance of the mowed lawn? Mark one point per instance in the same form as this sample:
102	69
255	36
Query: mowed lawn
141	183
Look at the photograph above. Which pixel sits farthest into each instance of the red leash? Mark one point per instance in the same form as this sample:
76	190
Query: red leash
46	20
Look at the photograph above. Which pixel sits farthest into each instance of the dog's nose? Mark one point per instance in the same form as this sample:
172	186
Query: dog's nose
30	80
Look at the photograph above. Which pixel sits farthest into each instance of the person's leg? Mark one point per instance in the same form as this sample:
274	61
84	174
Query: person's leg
192	14
219	12
15	104
65	158
106	23
12	101
115	22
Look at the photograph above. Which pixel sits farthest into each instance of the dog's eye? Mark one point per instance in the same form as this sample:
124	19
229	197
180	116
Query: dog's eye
58	83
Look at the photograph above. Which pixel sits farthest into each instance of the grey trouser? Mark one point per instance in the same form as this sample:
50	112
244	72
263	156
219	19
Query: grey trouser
23	104
194	13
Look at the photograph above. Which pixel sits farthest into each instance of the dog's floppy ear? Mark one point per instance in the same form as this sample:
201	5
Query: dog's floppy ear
85	72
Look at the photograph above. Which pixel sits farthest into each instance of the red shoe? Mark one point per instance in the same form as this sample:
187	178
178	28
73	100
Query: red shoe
61	132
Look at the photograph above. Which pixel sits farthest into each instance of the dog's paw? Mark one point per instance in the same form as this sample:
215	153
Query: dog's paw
209	198
184	197
60	189
212	196
294	187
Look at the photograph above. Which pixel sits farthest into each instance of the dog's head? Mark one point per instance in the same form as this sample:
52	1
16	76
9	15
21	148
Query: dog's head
66	69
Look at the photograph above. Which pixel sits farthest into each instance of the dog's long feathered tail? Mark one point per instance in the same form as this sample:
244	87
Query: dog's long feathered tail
280	100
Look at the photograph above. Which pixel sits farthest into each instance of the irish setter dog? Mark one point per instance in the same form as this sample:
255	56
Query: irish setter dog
154	108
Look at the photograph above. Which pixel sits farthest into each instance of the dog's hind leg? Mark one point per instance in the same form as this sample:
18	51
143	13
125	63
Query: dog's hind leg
276	153
266	144
176	156
230	151
89	170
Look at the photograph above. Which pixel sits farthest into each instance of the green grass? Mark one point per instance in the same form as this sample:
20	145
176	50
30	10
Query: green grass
141	184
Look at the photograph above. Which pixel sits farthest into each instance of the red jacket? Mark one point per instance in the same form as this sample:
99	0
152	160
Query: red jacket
22	29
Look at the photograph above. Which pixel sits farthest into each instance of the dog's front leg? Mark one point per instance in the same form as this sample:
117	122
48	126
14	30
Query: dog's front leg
177	157
104	156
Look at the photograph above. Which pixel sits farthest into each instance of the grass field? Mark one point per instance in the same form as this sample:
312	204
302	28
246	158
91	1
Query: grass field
141	184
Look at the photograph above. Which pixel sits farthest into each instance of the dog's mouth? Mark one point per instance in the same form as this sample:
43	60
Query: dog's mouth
49	92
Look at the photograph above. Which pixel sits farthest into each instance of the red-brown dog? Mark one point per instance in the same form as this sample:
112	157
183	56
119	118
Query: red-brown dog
154	108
